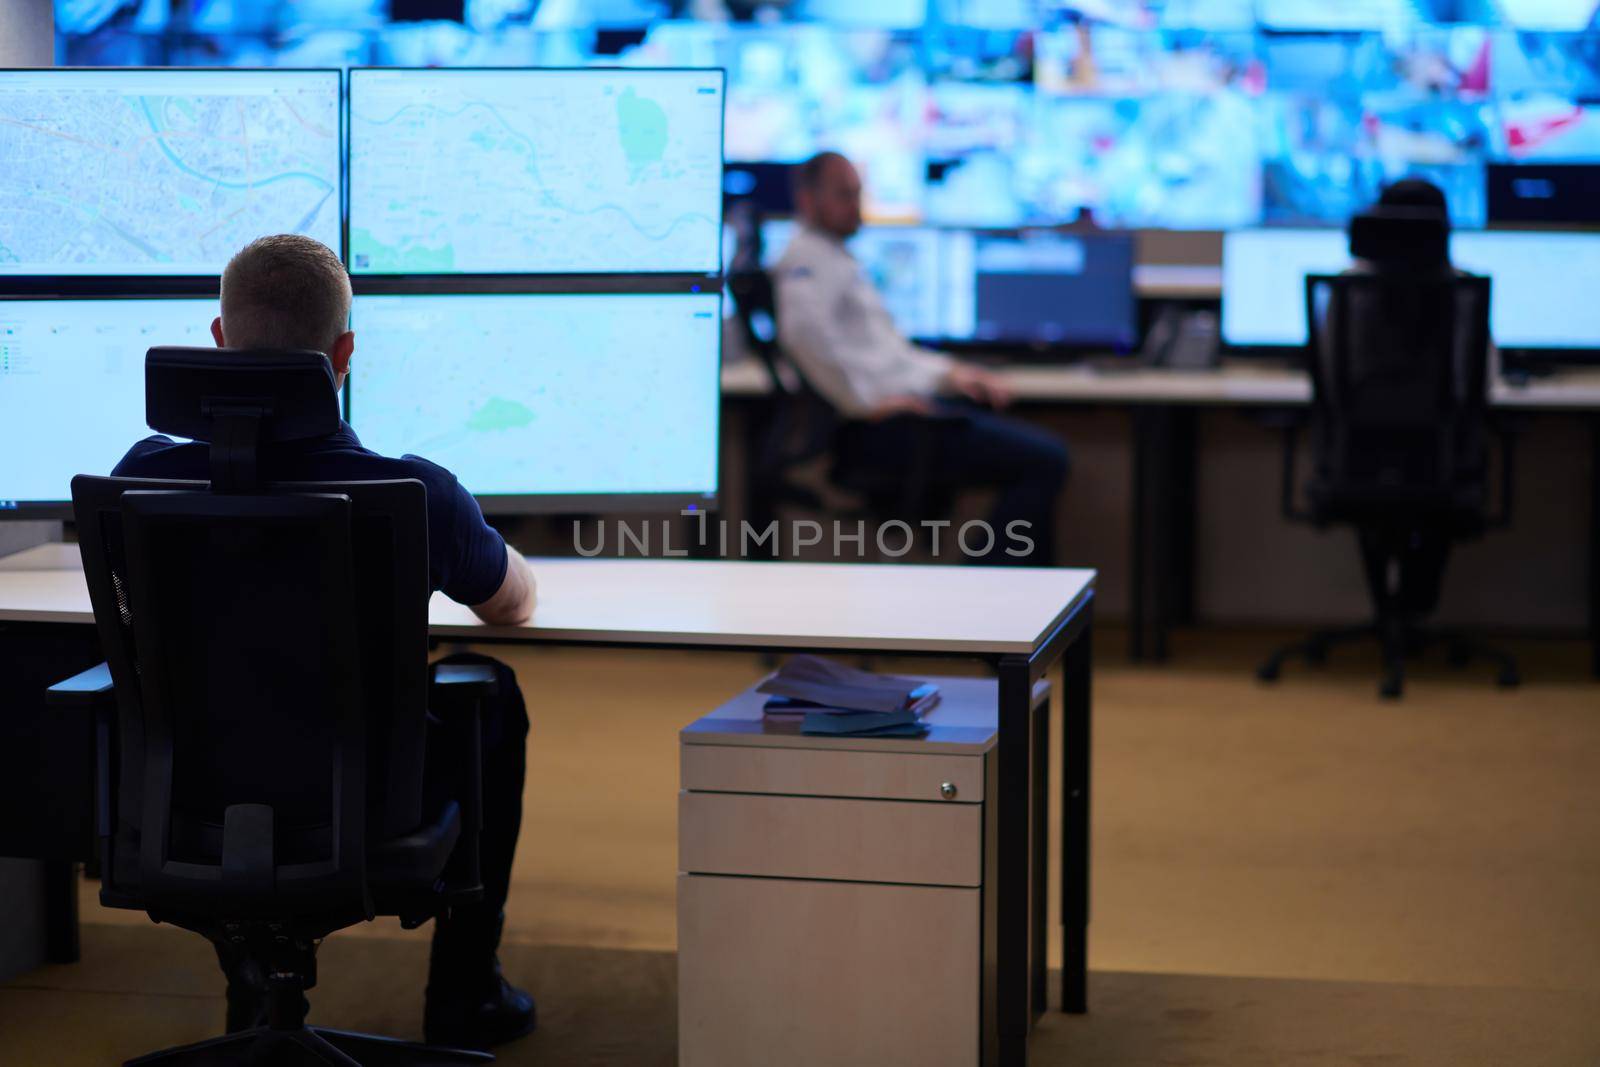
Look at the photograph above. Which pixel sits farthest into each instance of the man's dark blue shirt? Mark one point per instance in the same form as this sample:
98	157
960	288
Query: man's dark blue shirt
466	557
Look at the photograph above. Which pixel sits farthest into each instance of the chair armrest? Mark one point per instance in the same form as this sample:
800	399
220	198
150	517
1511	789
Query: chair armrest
461	682
90	689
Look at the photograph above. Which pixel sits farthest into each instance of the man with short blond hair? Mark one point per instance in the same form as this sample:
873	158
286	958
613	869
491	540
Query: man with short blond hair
290	292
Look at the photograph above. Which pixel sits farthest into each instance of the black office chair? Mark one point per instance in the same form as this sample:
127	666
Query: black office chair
265	714
1400	434
800	426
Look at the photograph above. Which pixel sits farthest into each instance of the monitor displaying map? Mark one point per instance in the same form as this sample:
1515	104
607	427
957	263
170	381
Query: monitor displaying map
551	398
463	171
79	364
162	172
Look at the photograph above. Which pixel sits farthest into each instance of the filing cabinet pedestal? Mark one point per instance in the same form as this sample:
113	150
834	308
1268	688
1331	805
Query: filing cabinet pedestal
831	890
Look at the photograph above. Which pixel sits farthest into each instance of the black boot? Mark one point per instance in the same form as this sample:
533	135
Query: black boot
470	1004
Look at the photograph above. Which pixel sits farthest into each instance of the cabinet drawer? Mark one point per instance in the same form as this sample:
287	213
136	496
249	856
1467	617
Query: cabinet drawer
831	773
822	837
805	974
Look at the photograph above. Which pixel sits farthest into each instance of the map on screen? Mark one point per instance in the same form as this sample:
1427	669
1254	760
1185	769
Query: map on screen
168	172
535	171
79	364
550	394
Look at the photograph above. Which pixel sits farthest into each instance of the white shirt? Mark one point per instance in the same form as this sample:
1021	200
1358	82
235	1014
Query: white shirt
833	325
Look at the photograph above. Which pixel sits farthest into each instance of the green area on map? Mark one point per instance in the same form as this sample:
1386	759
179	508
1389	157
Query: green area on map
642	124
498	413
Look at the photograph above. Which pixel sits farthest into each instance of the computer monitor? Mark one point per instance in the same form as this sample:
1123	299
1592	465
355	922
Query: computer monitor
162	172
72	389
903	261
546	402
1542	193
1041	289
535	171
1263	282
1540	296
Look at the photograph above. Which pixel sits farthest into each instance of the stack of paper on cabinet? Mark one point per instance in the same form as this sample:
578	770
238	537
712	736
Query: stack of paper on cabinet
831	698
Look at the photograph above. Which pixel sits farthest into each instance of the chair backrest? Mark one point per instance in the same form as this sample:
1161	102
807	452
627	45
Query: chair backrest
1398	365
803	422
268	642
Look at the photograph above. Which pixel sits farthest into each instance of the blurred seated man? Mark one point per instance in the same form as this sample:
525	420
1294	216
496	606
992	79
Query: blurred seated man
833	324
289	292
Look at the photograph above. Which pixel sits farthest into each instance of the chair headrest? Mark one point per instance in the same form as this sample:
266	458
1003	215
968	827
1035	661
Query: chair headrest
289	395
1400	237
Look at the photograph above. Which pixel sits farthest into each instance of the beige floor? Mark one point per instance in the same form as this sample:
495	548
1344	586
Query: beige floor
1293	875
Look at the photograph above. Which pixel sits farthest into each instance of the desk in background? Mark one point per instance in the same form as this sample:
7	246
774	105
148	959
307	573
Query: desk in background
1020	621
1162	404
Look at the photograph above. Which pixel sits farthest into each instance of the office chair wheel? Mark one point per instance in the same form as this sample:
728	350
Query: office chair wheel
1269	671
1508	678
1459	655
1392	687
1316	653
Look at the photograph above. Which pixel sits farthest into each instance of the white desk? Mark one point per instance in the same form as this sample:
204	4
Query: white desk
701	603
1234	384
1021	620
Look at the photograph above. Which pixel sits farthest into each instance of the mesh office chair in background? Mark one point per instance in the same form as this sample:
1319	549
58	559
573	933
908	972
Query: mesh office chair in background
1400	434
801	427
267	727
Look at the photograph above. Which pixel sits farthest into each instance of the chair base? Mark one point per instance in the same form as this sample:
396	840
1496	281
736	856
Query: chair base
309	1046
1398	641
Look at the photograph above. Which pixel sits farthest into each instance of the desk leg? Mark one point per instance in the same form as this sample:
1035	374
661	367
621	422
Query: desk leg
1077	670
1594	545
1138	542
1012	939
1039	893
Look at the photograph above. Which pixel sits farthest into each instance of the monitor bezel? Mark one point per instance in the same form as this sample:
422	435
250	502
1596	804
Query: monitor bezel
176	283
609	503
453	278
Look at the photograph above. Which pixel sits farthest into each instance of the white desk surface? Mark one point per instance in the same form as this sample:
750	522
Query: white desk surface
1233	385
870	607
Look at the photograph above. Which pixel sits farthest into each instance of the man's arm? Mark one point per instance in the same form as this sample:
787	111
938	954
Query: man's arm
513	602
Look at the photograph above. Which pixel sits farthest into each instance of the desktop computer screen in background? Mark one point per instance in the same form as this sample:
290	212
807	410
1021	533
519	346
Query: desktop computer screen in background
1041	289
162	172
1263	282
72	386
465	171
1541	291
576	397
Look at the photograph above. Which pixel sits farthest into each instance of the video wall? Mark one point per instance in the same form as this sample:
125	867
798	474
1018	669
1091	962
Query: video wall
1182	114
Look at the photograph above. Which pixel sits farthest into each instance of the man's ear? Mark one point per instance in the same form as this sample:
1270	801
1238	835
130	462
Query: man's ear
216	332
340	351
